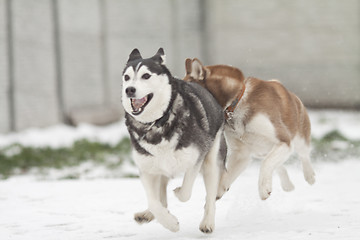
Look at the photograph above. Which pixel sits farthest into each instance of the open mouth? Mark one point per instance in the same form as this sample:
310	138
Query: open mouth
138	105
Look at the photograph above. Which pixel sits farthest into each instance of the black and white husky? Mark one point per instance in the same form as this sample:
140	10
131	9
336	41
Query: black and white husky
175	127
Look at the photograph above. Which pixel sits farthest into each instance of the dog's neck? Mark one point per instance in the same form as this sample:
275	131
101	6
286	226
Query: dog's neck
225	83
161	121
231	108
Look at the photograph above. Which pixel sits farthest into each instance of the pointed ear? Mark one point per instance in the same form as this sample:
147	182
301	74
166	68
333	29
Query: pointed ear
135	54
160	57
188	62
197	69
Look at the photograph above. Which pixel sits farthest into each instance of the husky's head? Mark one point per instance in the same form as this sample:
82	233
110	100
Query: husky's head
146	90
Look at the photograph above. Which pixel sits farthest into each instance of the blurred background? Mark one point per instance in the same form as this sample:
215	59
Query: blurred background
61	118
61	60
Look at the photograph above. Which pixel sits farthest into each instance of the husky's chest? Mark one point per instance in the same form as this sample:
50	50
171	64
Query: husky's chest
165	159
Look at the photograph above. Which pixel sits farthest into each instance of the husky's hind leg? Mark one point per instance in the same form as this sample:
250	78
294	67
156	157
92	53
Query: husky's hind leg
304	155
286	183
309	173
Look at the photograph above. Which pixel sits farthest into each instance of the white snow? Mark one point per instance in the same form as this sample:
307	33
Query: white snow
325	121
64	136
103	207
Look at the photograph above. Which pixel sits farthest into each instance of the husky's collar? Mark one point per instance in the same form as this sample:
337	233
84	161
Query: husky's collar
161	121
230	109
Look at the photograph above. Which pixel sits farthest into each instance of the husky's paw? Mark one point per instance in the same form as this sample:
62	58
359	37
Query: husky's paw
265	189
287	186
143	217
170	222
183	196
310	176
207	226
221	191
224	187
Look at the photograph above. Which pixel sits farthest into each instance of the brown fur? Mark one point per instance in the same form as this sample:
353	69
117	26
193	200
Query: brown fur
222	81
248	131
285	110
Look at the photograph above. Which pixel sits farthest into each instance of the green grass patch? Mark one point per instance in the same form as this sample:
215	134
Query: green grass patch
19	158
334	146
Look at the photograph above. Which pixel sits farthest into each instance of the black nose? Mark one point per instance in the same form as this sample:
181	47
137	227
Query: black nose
130	91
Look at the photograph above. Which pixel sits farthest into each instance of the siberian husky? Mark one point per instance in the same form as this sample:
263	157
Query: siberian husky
175	127
262	119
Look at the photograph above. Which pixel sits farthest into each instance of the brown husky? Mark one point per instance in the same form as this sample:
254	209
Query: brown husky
263	119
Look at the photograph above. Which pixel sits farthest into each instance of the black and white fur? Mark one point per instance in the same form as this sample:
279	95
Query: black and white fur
175	127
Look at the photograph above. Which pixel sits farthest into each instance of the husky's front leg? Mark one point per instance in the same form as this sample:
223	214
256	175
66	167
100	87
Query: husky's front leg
146	216
211	173
151	185
183	193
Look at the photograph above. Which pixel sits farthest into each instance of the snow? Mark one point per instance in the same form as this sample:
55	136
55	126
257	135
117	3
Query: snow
64	136
102	207
325	121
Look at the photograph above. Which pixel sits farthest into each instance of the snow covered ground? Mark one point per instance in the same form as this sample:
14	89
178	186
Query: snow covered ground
103	208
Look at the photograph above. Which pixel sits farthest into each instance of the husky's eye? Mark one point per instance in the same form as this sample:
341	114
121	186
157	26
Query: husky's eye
126	77
146	76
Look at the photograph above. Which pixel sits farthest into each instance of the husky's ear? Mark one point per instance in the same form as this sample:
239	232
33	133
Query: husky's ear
135	54
188	62
159	57
196	69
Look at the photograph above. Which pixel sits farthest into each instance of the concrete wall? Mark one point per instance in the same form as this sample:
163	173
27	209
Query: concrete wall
149	25
311	46
4	83
81	52
134	23
34	68
68	55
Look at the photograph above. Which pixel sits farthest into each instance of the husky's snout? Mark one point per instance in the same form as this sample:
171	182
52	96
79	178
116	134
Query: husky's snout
130	92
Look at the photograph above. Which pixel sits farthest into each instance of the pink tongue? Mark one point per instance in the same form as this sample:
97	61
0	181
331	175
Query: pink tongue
138	103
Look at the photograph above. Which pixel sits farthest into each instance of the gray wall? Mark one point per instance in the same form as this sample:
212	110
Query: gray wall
4	83
310	46
61	56
34	68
